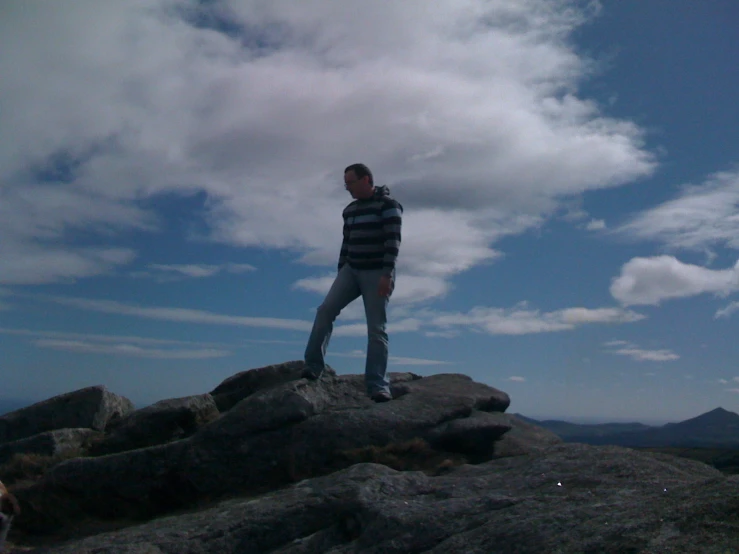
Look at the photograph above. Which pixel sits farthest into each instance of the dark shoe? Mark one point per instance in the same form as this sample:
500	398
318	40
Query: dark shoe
381	396
310	374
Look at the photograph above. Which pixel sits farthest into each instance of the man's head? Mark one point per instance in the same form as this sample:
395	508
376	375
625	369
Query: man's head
358	181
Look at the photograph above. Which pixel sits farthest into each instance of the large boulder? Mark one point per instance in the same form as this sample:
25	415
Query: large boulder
91	407
273	437
62	442
245	383
162	422
566	498
523	438
474	435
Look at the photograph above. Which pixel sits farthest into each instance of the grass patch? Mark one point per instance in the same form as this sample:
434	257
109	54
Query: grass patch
413	455
24	469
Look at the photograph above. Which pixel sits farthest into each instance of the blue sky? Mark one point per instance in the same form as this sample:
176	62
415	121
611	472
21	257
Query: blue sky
171	192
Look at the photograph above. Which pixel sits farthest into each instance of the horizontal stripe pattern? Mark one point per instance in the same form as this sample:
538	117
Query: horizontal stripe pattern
372	233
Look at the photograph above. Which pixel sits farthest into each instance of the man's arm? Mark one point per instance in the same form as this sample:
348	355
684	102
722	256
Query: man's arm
392	221
344	246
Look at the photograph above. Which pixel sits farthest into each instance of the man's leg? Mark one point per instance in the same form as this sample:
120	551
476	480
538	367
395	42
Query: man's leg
344	290
375	307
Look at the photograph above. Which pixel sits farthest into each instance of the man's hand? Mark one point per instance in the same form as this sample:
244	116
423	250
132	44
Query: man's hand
386	286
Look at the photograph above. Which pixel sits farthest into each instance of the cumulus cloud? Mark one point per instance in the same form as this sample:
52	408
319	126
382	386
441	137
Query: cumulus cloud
516	379
595	225
623	348
261	105
652	280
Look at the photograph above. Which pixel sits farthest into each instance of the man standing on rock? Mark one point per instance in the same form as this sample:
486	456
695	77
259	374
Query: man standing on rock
372	224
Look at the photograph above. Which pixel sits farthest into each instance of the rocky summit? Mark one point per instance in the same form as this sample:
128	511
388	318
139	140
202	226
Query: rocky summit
268	462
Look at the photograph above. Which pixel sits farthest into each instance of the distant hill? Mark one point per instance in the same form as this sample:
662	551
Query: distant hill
12	404
565	429
718	428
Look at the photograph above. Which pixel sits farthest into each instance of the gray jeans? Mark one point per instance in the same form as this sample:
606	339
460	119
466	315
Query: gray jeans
348	286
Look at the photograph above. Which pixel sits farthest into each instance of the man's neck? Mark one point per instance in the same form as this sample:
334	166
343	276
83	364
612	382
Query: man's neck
370	194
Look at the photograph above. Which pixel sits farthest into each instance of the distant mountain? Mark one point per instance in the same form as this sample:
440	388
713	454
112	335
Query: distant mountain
566	430
12	404
718	428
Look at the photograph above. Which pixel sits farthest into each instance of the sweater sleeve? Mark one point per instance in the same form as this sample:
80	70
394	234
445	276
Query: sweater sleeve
344	246
391	224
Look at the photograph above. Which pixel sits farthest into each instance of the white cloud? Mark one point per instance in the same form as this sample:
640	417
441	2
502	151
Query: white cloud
701	216
736	379
124	349
723	382
91	337
516	379
615	343
442	334
172	272
140	102
495	321
573	210
29	264
409	289
652	280
735	391
360	329
520	320
392	360
180	315
622	348
577	316
596	225
727	310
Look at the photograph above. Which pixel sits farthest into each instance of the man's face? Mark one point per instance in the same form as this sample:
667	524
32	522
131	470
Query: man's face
358	188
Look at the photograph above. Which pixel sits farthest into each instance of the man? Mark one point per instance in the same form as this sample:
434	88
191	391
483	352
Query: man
372	224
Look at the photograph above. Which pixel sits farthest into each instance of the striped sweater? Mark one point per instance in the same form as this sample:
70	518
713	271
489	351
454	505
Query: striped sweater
372	232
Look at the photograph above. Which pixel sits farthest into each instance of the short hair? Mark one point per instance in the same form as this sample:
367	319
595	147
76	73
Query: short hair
361	170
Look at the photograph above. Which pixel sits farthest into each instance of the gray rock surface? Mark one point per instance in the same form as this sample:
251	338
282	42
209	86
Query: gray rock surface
162	422
566	499
277	473
474	435
50	443
91	407
271	438
245	383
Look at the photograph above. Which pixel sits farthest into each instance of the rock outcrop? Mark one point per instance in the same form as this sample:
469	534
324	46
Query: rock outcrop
568	498
274	436
162	422
91	407
61	442
268	462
